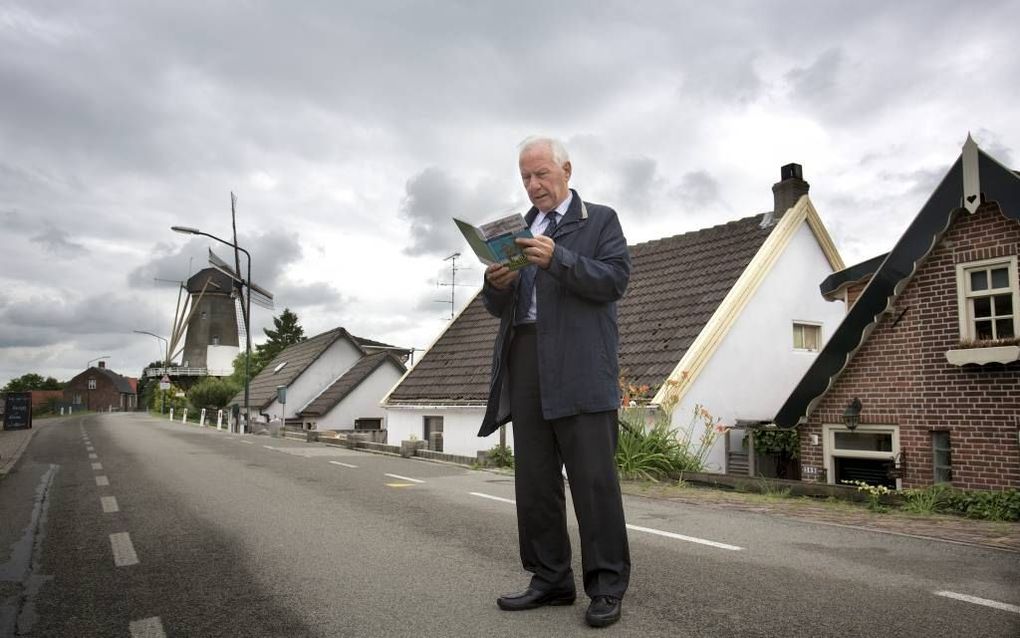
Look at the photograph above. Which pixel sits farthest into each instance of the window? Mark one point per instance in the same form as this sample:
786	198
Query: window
215	340
367	424
279	367
866	454
807	336
988	300
942	456
77	399
432	424
92	384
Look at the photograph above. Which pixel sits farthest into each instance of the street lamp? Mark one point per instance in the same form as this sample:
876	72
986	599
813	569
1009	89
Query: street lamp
166	364
88	390
187	230
852	414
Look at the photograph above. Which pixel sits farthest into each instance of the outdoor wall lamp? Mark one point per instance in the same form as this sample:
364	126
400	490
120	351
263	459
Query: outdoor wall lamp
852	414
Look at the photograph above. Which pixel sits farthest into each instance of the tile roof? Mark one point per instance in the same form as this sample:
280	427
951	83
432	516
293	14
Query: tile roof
262	389
122	384
676	284
347	382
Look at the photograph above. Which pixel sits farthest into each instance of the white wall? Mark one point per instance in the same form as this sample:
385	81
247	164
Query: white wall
460	427
219	360
337	359
362	402
755	367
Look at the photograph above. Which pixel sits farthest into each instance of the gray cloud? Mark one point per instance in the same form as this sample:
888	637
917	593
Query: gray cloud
56	242
820	81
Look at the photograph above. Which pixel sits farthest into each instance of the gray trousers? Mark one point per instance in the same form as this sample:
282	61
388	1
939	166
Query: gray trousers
586	445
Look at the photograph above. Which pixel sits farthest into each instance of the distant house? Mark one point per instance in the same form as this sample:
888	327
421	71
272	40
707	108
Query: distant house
334	381
925	365
726	317
99	389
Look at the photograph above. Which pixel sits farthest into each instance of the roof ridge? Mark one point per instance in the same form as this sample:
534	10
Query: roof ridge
734	222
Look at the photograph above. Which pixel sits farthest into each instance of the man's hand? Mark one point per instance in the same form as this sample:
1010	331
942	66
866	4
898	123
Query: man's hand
500	277
538	250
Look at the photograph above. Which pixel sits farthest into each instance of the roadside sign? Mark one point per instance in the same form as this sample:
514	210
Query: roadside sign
164	383
18	411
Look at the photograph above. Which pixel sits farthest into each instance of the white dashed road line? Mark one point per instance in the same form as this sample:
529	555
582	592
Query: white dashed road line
636	528
494	498
123	551
353	467
147	628
404	478
681	537
97	466
109	504
994	604
248	442
102	481
93	456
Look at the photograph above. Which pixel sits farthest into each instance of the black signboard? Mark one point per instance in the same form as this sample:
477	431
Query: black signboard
18	411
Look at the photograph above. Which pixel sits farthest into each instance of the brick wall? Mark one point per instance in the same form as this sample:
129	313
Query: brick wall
902	377
105	394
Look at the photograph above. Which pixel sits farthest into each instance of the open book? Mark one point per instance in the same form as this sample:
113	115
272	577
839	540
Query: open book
494	242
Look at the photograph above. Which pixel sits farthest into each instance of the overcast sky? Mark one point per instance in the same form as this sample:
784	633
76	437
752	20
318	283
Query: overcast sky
352	132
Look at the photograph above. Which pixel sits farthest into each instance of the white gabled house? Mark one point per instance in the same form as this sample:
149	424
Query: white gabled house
727	318
334	380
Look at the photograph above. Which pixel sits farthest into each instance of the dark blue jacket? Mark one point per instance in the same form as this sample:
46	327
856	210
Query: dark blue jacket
577	331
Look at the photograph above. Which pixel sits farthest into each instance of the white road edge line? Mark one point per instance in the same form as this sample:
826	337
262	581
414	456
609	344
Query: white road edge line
147	628
404	478
494	498
248	442
636	528
123	550
994	604
102	481
681	537
353	467
109	504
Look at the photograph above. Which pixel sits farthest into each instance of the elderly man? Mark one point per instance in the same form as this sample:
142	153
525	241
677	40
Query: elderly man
555	375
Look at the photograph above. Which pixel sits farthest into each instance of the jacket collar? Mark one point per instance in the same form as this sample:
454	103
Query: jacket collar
576	215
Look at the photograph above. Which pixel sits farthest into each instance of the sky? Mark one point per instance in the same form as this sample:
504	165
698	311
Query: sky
353	131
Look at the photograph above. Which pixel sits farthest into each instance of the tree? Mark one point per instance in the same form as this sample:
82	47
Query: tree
32	381
288	332
212	393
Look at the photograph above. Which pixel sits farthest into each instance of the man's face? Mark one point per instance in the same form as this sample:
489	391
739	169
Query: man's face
545	181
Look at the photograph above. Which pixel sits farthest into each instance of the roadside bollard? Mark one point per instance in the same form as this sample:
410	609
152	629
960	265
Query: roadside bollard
201	420
184	415
219	419
171	414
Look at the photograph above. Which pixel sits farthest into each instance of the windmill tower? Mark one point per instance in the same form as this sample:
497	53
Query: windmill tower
212	340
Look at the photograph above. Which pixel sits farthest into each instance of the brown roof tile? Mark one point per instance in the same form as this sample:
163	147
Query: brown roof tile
676	284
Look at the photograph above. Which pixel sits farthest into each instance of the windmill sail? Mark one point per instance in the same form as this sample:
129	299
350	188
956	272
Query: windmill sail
259	295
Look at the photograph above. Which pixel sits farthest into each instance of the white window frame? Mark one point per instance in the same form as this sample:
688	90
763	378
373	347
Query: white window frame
808	324
92	384
967	332
829	431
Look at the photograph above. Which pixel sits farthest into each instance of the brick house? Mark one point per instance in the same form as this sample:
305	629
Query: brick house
726	317
100	389
929	348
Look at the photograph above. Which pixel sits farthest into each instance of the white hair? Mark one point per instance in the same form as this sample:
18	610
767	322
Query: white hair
559	151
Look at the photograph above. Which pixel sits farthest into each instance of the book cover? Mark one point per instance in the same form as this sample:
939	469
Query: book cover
493	242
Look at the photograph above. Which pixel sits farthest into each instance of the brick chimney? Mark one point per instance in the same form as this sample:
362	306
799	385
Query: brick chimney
789	188
102	364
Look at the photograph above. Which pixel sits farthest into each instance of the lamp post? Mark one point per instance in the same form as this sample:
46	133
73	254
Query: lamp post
88	390
186	230
166	364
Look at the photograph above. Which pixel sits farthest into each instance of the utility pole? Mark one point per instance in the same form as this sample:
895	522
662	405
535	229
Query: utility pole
453	283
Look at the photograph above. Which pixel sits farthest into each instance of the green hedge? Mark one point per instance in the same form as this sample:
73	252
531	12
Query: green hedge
998	505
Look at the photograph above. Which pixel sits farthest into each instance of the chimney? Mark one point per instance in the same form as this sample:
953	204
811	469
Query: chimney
102	364
789	188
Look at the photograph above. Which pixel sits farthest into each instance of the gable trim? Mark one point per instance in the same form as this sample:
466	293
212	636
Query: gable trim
718	326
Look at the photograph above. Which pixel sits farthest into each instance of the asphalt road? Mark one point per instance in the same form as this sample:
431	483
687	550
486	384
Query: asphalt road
179	531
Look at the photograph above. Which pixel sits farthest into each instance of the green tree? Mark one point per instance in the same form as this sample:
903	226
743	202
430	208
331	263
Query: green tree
287	332
32	381
238	375
212	393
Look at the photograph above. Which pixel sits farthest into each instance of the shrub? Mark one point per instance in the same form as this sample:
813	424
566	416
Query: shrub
1003	505
929	500
656	450
501	456
874	494
212	393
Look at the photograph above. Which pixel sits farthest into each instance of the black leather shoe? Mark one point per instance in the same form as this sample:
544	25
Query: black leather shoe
603	611
532	598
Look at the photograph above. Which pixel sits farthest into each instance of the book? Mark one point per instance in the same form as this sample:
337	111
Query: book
494	242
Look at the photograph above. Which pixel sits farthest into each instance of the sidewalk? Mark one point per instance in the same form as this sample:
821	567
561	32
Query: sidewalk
14	442
954	529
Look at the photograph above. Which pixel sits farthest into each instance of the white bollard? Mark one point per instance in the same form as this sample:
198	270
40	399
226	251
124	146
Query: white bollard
219	419
184	415
201	420
61	411
171	414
